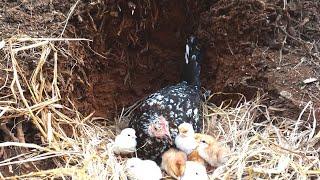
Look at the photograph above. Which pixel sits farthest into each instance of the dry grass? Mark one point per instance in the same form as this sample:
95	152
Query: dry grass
274	147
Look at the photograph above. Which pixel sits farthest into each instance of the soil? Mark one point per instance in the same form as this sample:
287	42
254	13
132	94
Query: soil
249	46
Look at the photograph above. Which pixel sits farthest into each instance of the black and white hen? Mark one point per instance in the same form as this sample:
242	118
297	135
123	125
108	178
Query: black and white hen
156	121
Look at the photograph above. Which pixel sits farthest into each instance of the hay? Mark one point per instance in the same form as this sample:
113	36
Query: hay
273	147
276	147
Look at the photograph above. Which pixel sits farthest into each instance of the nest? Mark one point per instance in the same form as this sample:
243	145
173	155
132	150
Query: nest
45	135
263	145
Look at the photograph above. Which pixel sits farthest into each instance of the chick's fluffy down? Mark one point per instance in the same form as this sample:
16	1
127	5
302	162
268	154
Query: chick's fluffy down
194	171
125	142
143	169
174	162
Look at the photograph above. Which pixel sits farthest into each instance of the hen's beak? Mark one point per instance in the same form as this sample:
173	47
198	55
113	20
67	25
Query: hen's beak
168	137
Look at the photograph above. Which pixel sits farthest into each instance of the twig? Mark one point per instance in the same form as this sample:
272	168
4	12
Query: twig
69	16
20	134
282	46
294	132
6	131
16	81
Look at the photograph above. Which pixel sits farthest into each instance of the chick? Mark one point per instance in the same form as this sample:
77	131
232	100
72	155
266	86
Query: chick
134	169
185	140
174	162
194	171
138	169
125	142
211	151
194	156
154	171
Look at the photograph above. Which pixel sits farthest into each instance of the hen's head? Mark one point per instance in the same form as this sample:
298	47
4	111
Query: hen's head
159	128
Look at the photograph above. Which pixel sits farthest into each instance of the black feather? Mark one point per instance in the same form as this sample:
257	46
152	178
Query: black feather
177	104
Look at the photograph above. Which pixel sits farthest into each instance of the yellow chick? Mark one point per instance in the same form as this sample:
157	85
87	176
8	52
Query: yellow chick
211	151
174	162
185	140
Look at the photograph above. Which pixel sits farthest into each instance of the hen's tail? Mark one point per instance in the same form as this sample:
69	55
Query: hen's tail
192	59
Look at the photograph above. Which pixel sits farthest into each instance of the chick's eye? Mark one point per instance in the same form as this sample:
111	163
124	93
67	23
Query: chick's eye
129	135
197	173
203	141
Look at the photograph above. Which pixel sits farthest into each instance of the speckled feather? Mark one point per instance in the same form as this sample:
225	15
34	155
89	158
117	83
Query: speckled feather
177	104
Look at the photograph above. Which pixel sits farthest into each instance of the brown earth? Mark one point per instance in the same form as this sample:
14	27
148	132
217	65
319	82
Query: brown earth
137	48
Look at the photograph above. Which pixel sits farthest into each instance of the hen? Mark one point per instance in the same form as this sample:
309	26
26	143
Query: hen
157	119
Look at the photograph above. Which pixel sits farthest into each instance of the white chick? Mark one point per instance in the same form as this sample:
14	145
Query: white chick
194	171
133	168
185	140
125	142
154	171
143	169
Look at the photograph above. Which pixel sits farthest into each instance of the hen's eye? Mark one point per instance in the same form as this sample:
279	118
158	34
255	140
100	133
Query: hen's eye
156	127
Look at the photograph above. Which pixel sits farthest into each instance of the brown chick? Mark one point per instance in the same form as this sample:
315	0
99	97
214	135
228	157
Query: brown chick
194	156
210	150
174	162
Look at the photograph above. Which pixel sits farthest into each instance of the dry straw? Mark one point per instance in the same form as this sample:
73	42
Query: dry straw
268	147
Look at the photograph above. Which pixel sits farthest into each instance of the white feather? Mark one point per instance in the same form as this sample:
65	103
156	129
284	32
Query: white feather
186	55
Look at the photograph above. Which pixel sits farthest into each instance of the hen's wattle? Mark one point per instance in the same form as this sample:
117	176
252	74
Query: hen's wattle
175	104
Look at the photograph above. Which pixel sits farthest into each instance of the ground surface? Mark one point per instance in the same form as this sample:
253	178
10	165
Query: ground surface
137	48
